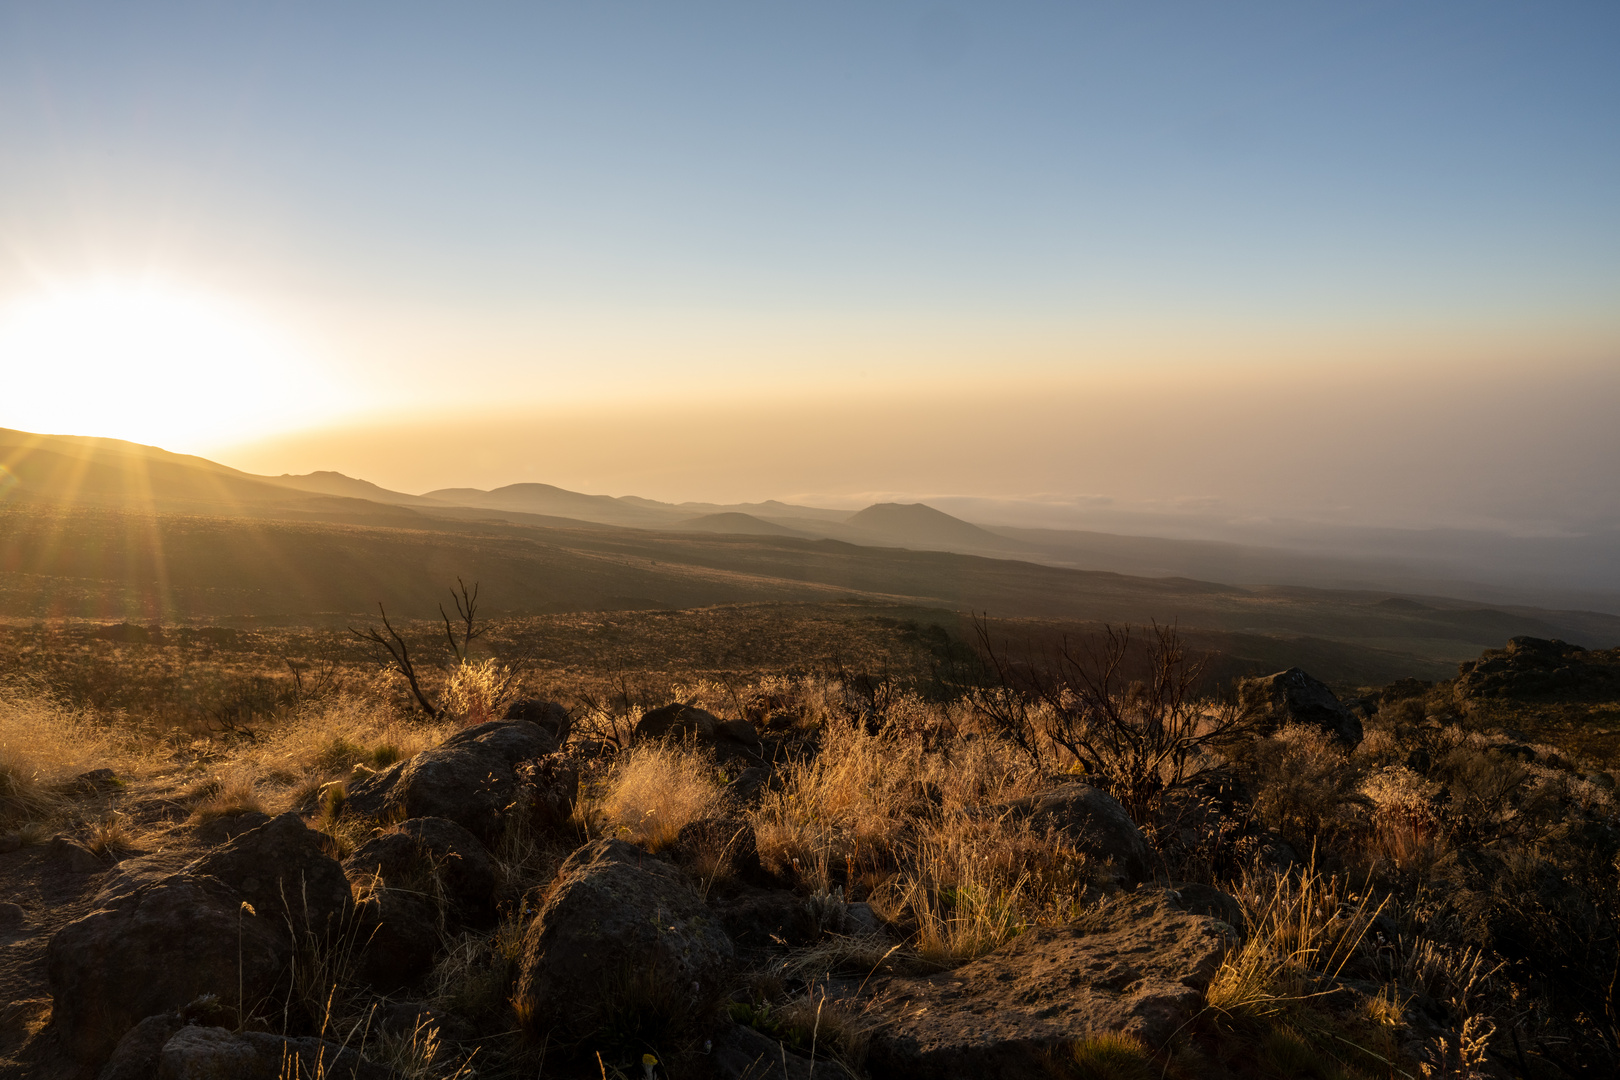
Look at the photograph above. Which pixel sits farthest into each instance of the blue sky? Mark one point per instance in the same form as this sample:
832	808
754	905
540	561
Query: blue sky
578	202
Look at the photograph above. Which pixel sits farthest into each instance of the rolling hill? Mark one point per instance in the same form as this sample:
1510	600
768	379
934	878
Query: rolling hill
99	530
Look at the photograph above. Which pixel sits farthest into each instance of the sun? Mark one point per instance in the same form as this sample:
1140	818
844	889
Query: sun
155	364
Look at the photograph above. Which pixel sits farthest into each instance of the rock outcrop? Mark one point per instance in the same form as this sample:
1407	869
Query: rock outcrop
1293	697
1139	966
469	778
620	931
1530	668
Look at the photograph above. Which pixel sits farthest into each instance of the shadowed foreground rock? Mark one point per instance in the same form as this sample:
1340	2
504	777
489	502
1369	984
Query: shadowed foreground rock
1293	697
164	944
1138	966
469	778
622	937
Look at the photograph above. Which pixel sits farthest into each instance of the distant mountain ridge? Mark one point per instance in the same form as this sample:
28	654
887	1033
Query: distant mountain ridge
89	471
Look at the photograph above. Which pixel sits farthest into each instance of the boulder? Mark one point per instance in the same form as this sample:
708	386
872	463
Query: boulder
677	721
136	1056
621	935
748	787
469	778
436	857
214	1053
224	924
547	714
1293	697
759	920
1094	823
283	870
228	827
152	952
1139	966
414	1019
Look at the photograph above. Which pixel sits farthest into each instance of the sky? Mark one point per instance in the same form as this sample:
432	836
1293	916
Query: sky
1357	262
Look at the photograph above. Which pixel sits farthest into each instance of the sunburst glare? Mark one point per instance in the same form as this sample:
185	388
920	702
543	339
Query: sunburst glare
154	364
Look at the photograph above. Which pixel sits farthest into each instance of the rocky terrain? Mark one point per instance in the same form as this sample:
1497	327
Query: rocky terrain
1085	872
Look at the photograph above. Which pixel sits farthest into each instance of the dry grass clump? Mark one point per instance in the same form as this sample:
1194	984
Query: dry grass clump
652	792
853	808
1110	1055
330	739
43	744
230	796
970	886
1302	928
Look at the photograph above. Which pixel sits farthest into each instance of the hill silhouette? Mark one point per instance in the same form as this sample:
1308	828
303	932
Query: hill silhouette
917	525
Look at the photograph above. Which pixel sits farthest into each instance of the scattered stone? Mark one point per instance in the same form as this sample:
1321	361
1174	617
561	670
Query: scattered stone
96	780
12	917
1138	966
1093	823
620	931
1293	697
750	786
469	778
74	856
760	920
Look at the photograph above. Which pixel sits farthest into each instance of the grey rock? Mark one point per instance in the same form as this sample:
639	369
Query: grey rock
117	966
136	1055
547	714
436	857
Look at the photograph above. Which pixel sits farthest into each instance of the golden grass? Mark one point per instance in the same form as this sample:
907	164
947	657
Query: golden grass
652	792
1110	1055
43	744
1300	927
